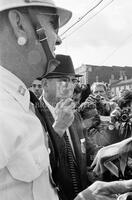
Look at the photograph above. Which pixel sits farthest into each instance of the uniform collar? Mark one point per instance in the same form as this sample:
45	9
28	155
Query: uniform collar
15	87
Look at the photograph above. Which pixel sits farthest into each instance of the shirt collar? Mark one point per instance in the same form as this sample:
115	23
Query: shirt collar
50	107
13	85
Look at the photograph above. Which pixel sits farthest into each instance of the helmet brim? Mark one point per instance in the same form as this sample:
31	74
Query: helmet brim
64	14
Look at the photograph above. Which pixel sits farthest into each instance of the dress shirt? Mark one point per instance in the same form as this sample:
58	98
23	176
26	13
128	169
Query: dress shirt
24	159
52	110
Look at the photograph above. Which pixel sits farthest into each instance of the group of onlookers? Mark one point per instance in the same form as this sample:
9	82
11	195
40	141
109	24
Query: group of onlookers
98	121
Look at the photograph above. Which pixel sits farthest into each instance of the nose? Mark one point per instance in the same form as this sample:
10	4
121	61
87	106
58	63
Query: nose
58	40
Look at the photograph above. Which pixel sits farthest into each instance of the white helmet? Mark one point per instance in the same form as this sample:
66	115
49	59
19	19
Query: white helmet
64	14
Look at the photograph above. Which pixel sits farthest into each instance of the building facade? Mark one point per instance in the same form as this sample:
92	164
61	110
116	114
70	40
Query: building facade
107	74
119	86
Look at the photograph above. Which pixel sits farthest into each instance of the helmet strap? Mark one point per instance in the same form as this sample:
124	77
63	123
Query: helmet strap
52	63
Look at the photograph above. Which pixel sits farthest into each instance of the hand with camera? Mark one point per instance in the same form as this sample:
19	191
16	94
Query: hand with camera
115	115
96	99
102	105
64	115
91	99
125	115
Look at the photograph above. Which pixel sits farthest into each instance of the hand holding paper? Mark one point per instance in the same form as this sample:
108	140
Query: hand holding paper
110	153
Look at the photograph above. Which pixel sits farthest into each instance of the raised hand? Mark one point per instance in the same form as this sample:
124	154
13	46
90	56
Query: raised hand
64	115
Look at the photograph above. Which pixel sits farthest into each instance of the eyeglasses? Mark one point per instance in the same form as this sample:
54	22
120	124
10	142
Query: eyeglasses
55	21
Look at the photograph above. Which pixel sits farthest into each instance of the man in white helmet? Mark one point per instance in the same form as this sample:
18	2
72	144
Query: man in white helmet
28	34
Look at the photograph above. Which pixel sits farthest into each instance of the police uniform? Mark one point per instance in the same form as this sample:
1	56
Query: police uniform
24	159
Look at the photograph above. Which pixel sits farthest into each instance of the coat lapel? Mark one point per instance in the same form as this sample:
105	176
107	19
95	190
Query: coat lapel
48	113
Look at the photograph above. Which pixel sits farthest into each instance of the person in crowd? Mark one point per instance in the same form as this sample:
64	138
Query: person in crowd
99	88
85	93
36	87
24	156
96	130
76	81
91	120
99	97
125	99
83	85
77	95
122	91
108	91
122	115
70	174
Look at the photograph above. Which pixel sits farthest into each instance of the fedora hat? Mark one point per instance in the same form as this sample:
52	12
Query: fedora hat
63	14
65	68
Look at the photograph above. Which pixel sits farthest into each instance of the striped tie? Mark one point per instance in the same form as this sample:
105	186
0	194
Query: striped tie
73	170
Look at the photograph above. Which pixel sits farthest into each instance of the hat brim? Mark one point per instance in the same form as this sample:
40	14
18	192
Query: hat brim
78	75
58	75
64	14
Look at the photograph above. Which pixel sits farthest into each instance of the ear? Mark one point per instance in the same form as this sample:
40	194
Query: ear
17	22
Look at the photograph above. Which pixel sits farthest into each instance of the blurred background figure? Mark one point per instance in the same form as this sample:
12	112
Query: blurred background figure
108	91
99	88
96	128
77	95
76	80
126	99
90	120
100	99
36	87
85	93
121	116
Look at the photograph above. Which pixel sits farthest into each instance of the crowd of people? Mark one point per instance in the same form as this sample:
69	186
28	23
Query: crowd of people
98	119
59	140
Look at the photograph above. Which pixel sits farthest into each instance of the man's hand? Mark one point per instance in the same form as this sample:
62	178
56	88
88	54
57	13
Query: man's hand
110	153
64	115
108	189
104	190
97	191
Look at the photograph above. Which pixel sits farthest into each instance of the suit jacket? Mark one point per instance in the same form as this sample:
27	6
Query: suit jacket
59	164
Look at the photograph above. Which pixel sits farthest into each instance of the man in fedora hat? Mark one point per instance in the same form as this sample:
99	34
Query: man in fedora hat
70	173
28	34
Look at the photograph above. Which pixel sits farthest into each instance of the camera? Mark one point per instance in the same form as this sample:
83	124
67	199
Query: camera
119	115
99	98
125	115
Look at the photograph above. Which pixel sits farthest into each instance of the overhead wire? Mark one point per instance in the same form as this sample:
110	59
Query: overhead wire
81	18
116	49
87	20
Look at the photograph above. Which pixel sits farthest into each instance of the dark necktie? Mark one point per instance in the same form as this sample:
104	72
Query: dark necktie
72	166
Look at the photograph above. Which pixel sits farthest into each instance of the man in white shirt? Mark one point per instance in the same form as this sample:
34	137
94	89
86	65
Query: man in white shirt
24	158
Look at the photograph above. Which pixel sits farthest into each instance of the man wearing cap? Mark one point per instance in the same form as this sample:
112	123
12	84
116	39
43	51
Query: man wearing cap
69	175
28	34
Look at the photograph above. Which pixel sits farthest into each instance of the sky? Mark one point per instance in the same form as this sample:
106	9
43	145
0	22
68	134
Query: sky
103	37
